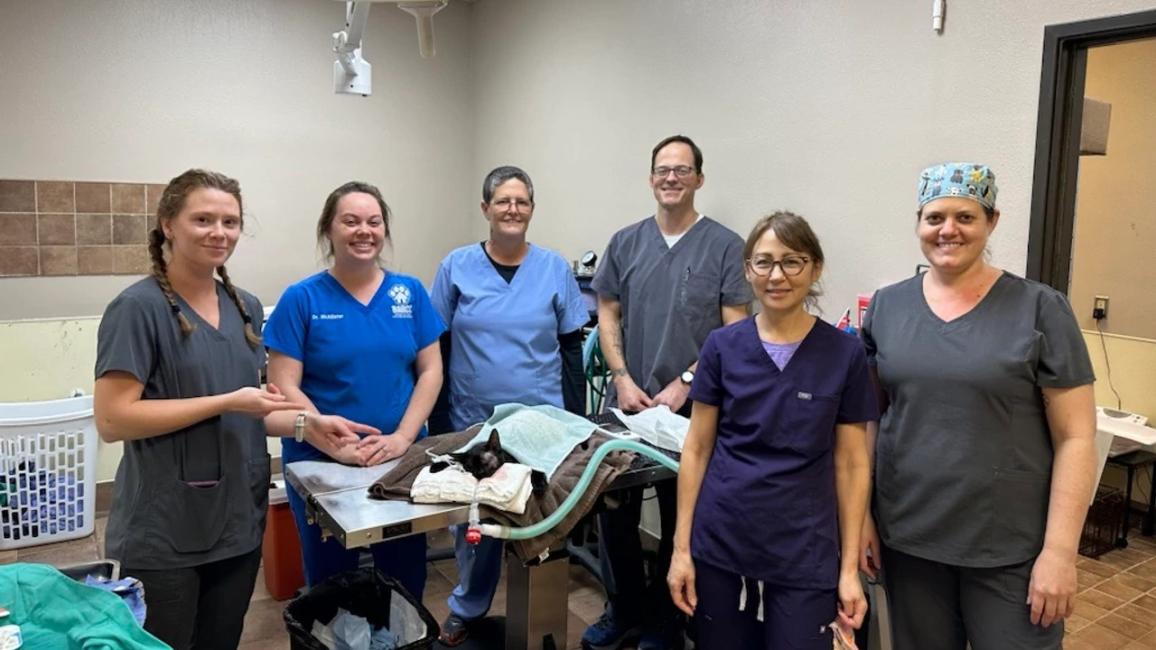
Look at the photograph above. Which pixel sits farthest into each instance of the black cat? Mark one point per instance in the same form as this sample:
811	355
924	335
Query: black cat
484	460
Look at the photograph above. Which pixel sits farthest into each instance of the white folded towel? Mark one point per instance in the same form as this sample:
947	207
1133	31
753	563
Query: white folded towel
508	489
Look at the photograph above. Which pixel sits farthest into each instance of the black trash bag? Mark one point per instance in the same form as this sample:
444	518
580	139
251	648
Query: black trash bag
367	593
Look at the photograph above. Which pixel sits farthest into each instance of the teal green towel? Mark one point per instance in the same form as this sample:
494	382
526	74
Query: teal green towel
58	613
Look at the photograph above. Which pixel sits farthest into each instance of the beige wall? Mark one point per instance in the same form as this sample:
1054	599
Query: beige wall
141	90
828	108
1132	360
1115	230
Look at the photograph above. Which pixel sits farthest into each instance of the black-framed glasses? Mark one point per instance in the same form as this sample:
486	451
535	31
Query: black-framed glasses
681	171
791	265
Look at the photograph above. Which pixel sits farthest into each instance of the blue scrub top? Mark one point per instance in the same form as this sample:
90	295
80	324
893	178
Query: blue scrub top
767	508
504	335
358	360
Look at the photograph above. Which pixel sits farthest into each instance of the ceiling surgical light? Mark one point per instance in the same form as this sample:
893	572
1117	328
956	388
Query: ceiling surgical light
352	74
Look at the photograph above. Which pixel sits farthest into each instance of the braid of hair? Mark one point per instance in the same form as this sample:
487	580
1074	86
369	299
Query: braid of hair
160	274
250	333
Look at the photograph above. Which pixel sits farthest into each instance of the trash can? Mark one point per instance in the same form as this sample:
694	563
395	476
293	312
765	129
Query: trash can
281	548
367	593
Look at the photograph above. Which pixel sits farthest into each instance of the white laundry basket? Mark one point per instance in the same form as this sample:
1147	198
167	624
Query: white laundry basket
47	471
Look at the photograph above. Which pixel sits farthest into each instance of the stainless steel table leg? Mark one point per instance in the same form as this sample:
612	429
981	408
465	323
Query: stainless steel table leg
536	603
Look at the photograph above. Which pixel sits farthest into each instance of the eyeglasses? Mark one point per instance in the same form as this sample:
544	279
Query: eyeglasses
521	205
682	171
764	266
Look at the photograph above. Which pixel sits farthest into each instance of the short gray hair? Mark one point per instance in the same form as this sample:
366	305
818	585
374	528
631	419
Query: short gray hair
502	174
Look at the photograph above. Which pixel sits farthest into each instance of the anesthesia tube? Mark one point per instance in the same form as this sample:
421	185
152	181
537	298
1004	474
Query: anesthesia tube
505	532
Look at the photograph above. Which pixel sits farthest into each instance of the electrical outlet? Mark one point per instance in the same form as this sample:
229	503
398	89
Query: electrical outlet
1100	307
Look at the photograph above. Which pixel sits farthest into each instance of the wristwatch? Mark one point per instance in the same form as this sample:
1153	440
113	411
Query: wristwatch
299	427
687	376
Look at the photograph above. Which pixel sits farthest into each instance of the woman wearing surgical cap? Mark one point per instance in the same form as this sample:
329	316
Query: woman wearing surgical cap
984	454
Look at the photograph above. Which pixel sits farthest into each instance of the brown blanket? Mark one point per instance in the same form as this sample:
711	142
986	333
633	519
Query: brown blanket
397	483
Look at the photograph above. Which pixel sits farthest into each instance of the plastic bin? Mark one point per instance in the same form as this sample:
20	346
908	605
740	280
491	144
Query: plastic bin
106	568
281	549
366	593
47	471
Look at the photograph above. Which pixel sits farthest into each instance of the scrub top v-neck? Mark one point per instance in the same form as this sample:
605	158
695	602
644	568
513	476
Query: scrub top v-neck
671	297
504	334
198	494
964	454
357	359
767	508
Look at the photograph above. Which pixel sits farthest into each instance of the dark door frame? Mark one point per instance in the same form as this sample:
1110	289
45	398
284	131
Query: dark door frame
1058	136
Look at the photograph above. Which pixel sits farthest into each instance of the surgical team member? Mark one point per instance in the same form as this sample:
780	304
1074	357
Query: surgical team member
774	478
985	453
515	316
178	366
358	344
664	284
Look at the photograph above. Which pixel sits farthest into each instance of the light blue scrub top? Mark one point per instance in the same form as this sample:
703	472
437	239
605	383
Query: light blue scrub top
504	336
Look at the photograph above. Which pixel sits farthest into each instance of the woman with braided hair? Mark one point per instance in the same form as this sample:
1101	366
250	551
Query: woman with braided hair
178	381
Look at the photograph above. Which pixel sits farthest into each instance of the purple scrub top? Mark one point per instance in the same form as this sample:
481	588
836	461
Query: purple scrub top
767	508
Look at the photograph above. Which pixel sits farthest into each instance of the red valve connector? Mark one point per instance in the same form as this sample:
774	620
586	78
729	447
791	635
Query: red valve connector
473	536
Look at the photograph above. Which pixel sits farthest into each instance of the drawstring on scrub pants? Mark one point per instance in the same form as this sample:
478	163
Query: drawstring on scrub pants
743	597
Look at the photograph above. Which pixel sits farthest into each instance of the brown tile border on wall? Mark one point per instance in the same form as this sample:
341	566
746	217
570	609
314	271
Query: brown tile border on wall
63	228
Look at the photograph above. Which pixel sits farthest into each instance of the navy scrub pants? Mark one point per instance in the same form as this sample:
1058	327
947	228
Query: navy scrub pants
728	611
936	606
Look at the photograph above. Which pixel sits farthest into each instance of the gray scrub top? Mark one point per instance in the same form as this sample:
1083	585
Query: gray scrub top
199	494
671	297
964	454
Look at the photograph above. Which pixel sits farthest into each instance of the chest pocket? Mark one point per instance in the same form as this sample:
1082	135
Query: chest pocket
699	291
807	423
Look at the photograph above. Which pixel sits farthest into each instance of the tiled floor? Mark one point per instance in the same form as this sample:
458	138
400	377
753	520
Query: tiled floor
1115	608
1116	605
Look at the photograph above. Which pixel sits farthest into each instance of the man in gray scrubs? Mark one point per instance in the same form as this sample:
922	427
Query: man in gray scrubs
664	284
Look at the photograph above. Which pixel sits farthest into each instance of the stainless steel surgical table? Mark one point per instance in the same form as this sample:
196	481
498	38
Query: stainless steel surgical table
337	499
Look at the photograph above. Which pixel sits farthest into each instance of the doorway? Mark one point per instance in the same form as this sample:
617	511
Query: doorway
1058	129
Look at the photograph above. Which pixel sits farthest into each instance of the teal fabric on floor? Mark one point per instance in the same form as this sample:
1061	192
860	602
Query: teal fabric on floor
55	611
539	436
